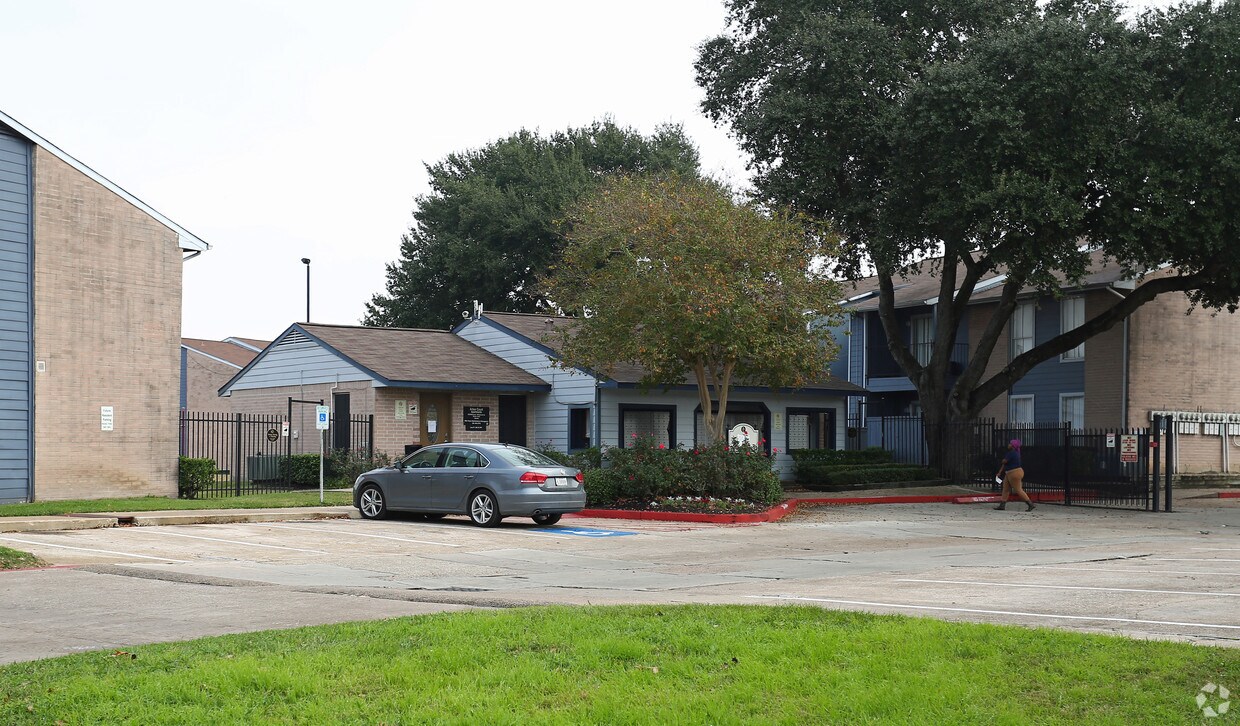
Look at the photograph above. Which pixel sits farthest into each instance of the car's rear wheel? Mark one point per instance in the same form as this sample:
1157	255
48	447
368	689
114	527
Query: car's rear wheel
371	502
483	510
546	520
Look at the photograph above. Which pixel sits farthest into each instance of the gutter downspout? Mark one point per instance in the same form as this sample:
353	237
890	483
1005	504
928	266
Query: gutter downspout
598	415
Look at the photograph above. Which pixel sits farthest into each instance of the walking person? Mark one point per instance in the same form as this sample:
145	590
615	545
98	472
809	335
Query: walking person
1014	477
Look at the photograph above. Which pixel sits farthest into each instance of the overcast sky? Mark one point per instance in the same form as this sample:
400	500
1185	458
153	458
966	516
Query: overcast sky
282	130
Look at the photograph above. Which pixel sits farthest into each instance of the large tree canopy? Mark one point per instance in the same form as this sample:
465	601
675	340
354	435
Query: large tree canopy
491	224
681	279
994	136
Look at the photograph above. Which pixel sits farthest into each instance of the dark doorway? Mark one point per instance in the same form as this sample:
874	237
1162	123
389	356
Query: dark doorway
512	420
341	438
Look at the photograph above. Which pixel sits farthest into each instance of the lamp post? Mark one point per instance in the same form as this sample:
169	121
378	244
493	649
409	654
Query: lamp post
306	261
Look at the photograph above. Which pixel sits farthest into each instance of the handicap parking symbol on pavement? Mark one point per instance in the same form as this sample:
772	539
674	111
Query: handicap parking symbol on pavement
584	531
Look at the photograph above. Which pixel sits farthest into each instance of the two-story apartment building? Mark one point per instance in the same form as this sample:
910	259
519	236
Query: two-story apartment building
1161	359
90	324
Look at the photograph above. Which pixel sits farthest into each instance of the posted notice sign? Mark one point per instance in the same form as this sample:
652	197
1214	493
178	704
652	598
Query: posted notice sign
1128	448
320	417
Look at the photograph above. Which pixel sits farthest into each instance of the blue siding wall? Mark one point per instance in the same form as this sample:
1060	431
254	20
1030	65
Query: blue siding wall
15	320
1049	379
569	388
839	366
298	361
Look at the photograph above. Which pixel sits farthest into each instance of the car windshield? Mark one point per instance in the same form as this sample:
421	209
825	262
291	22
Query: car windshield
524	457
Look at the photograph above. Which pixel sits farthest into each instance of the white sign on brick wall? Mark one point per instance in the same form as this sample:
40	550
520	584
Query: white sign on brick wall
106	418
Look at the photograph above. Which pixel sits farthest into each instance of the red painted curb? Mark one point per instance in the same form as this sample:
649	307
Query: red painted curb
994	498
36	569
1229	495
775	513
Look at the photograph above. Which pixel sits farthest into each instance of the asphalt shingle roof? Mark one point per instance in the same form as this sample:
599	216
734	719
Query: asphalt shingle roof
234	354
423	356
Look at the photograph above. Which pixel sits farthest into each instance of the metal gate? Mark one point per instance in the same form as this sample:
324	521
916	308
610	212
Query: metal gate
250	450
1120	468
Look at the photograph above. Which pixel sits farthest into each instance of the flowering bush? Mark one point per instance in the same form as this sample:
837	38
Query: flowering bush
644	472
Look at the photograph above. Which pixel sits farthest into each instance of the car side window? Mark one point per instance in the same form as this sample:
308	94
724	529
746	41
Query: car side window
424	459
463	458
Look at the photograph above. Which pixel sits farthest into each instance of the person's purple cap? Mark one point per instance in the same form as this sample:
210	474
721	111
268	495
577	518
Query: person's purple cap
1015	443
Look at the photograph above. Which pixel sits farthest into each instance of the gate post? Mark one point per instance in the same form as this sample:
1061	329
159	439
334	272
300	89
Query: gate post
370	438
1170	447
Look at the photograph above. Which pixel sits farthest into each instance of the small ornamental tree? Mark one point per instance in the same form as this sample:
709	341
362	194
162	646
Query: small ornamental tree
674	275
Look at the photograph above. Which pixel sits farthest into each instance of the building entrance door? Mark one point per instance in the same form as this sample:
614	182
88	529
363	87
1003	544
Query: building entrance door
436	415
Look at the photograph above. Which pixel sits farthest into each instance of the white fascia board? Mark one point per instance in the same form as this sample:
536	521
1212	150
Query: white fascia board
208	355
243	344
186	239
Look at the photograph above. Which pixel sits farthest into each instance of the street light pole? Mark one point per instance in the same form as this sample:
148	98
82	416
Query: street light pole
306	261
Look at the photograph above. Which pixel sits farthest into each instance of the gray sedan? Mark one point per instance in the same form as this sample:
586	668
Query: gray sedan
485	481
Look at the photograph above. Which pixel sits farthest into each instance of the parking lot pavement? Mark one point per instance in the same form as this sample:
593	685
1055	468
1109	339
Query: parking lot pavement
1148	575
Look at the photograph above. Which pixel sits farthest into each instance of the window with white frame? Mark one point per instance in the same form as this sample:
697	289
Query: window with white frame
1072	410
1022	329
922	338
1071	317
1020	410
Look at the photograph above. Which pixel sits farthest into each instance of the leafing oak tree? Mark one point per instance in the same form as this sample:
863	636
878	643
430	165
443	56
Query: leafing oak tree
674	275
490	225
980	137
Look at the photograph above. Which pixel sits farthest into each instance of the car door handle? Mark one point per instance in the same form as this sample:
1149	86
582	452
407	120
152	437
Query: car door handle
426	476
469	476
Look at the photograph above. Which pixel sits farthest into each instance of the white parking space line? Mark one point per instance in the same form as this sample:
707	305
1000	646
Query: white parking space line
1122	569
359	534
902	606
89	549
225	541
1073	587
1217	549
1189	559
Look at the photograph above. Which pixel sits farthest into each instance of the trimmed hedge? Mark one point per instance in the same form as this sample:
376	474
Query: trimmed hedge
194	475
855	475
300	470
840	457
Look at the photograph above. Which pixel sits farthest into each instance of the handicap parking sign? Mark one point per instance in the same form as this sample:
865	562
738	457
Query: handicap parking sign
320	419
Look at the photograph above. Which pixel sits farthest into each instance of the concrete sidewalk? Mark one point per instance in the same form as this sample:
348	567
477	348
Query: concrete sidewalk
171	517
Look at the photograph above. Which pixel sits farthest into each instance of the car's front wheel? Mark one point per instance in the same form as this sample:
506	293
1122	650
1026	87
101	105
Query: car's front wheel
546	520
371	502
483	510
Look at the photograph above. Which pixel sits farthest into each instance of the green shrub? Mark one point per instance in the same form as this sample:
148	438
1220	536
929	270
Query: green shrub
344	466
882	475
602	487
584	459
643	472
300	470
194	475
839	457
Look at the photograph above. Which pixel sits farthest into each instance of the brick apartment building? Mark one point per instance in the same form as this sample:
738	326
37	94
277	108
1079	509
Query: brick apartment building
90	323
208	364
1161	359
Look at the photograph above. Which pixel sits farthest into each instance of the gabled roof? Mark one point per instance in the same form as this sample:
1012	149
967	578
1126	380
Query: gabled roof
410	358
541	329
188	241
915	289
225	351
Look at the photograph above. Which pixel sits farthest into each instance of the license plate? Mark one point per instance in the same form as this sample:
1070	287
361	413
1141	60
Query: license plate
561	482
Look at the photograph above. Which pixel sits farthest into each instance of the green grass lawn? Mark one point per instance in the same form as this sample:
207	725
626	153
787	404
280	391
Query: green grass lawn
149	504
630	665
16	559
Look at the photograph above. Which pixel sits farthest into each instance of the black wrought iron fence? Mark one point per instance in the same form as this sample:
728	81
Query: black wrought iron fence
250	451
1090	467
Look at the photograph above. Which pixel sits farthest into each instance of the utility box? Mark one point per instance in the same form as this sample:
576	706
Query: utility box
264	467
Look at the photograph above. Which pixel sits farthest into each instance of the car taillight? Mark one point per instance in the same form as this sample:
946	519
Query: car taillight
533	477
581	479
